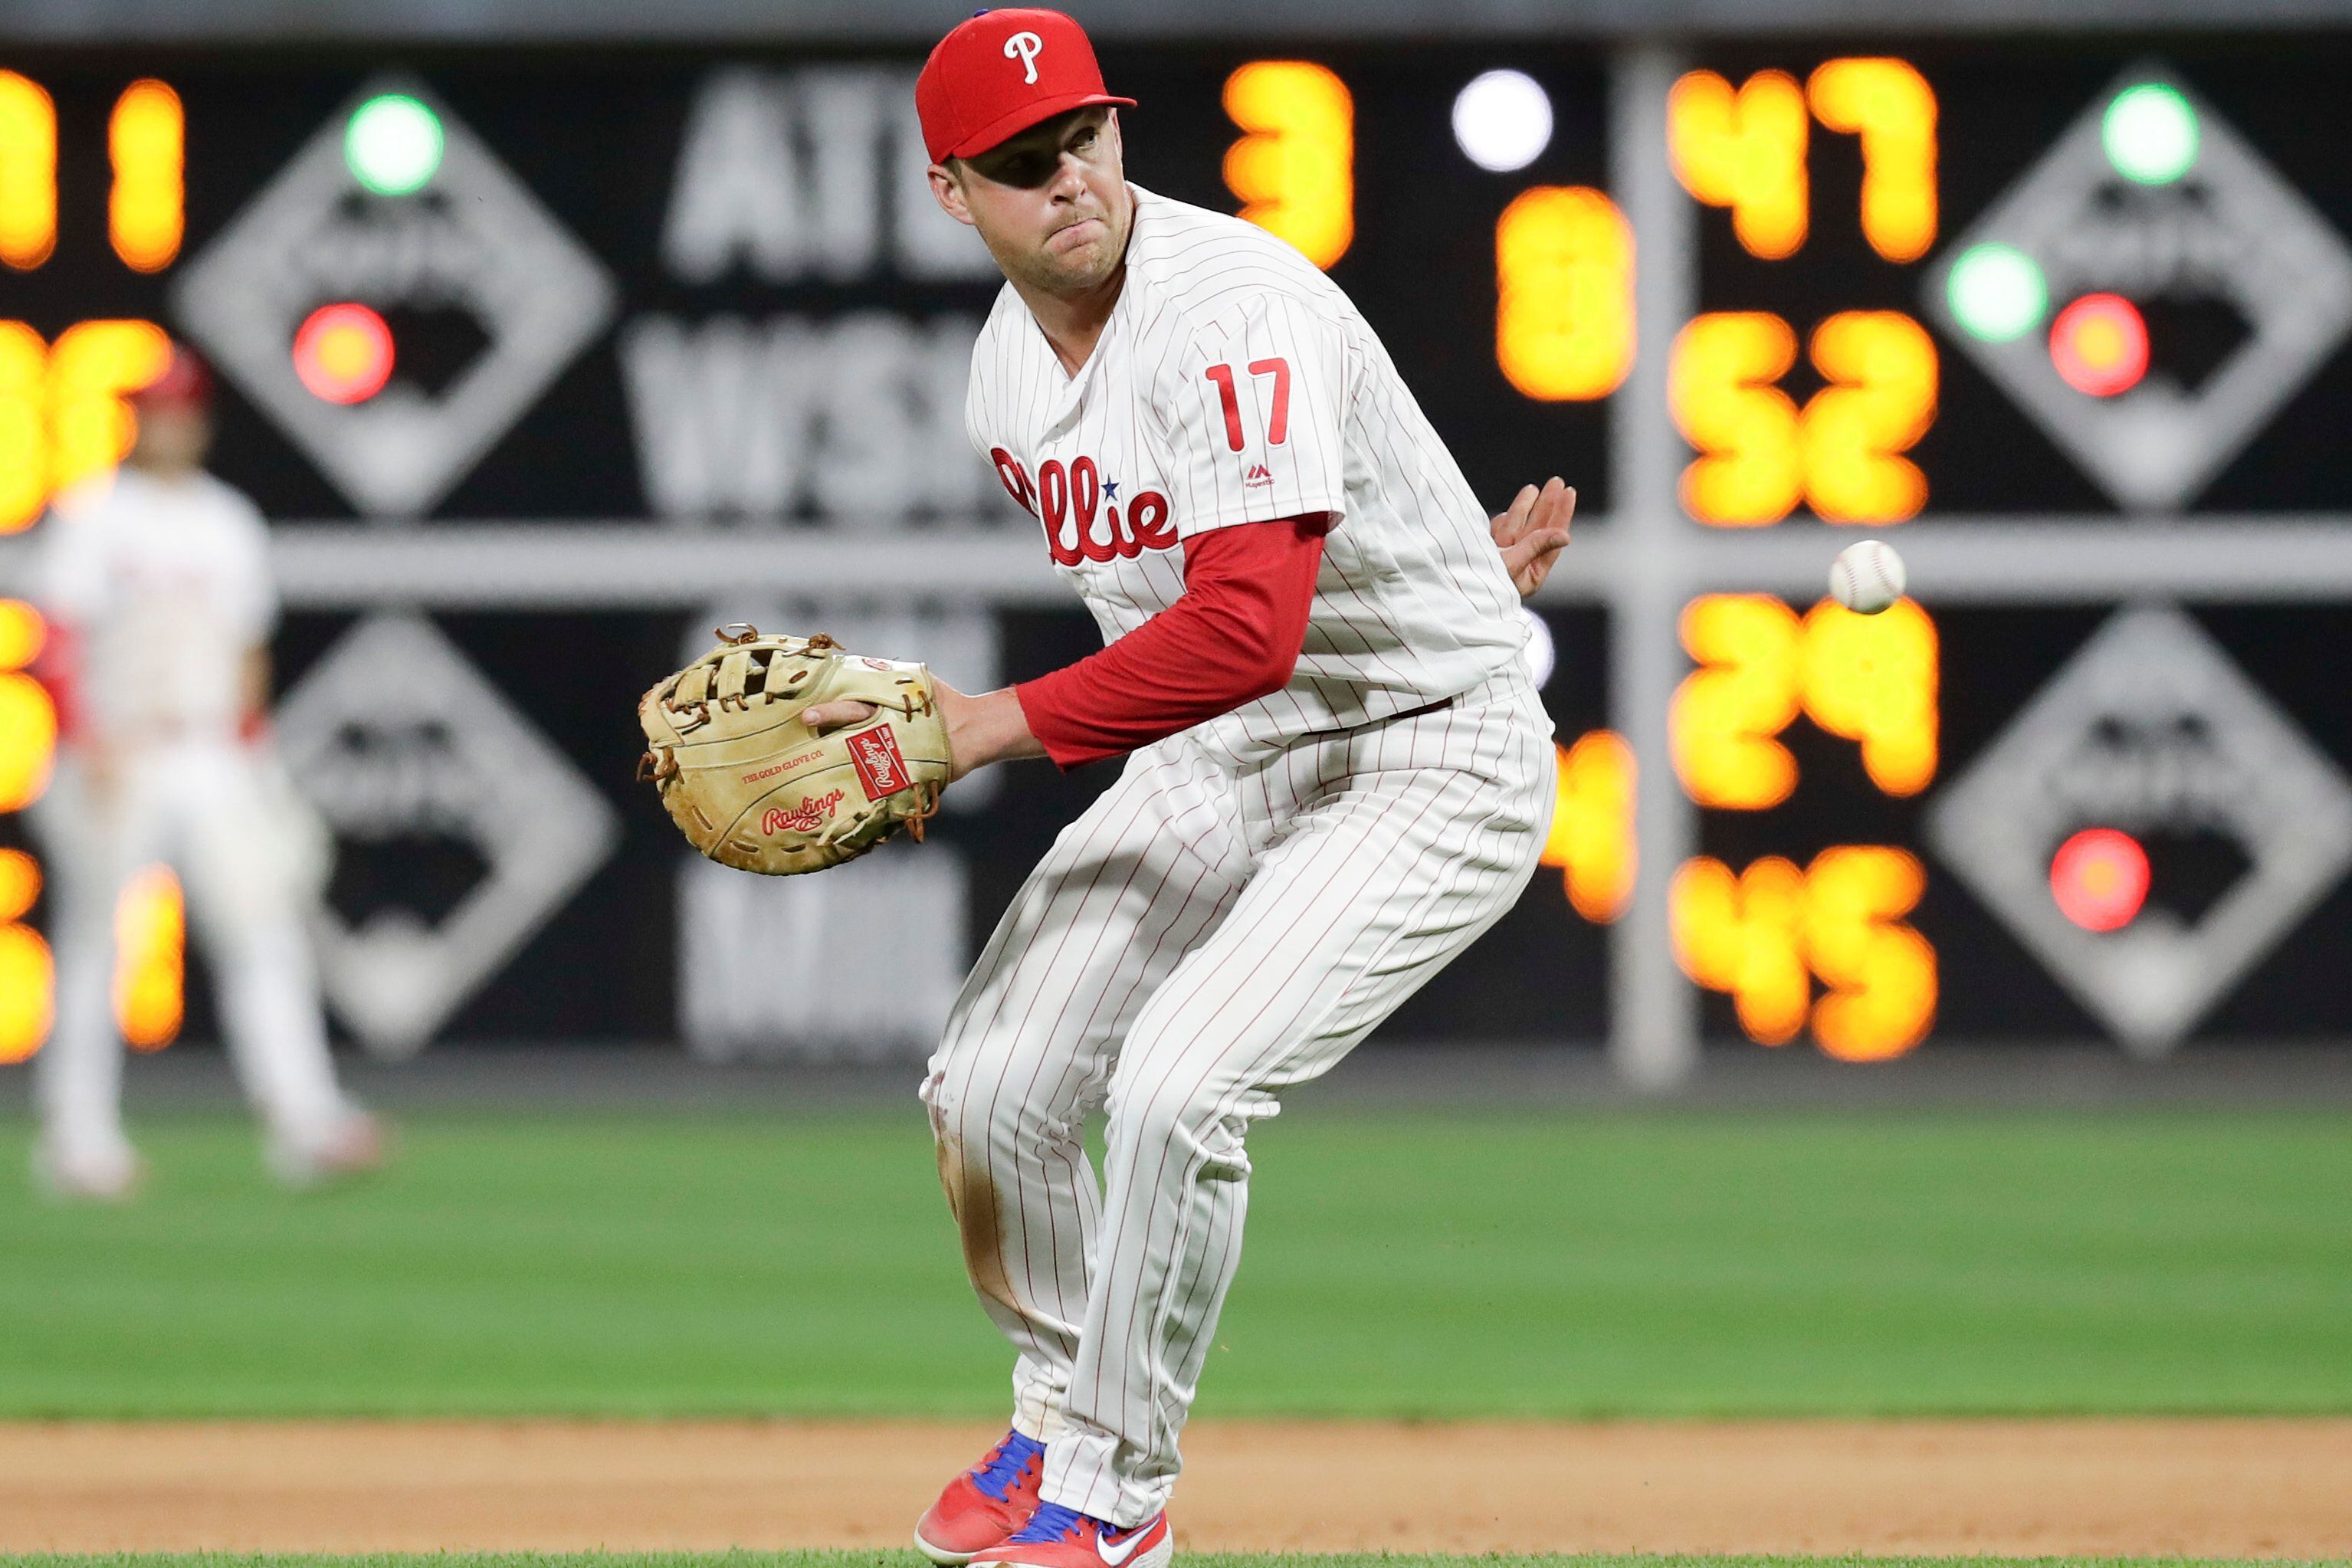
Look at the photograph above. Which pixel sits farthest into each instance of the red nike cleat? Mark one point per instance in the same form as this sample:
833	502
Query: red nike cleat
984	1506
1058	1537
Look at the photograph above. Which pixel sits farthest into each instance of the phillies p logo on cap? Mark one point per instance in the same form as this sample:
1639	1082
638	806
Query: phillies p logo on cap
1000	73
1025	45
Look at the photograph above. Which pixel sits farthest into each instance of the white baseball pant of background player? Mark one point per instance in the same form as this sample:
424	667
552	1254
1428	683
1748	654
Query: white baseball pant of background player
203	809
1214	929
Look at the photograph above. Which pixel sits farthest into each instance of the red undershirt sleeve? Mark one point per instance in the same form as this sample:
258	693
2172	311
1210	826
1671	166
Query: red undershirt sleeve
1232	637
58	667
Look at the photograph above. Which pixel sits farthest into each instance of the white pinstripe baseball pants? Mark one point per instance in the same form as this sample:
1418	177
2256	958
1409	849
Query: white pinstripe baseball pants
1211	931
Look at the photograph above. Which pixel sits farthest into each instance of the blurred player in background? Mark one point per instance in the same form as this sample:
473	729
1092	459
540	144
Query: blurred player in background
156	582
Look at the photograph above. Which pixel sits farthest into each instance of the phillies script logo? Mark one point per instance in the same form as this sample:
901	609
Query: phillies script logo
806	818
1079	525
880	767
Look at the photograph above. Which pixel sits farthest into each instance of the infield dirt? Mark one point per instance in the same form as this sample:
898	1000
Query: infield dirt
2213	1488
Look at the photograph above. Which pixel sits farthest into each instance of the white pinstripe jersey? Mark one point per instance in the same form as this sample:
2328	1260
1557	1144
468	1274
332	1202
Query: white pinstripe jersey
1235	383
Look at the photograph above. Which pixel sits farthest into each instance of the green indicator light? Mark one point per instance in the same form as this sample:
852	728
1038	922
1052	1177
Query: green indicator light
2150	135
1997	292
393	144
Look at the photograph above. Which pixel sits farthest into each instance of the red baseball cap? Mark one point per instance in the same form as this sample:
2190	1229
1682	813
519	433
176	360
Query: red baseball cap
1000	73
183	383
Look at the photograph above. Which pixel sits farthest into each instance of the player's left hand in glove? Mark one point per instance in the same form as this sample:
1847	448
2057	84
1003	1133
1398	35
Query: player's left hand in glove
753	784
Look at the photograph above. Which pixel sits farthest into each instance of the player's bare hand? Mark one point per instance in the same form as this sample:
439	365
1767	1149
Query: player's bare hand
825	717
1533	531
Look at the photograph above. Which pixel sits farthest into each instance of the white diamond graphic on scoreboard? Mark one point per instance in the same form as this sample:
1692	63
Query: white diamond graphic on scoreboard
474	240
2149	728
2231	229
398	741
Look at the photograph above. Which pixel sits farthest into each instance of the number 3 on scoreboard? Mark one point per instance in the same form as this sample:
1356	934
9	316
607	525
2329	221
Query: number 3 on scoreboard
1277	424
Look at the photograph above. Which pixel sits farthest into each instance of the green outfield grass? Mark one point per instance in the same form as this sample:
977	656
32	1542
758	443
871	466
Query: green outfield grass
1452	1265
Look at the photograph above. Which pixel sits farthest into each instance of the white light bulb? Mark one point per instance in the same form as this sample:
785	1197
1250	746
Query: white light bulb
1503	121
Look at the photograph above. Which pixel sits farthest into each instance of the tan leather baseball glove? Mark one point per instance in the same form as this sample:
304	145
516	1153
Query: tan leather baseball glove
752	785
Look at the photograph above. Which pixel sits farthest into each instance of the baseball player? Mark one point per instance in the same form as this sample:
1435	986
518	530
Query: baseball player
156	582
1339	770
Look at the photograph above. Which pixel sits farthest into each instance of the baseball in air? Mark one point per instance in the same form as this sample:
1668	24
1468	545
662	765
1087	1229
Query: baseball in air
1867	576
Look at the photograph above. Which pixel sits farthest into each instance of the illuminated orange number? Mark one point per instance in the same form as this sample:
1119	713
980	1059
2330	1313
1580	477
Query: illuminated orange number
1744	149
146	138
1294	168
1881	974
1881	366
1742	935
1759	935
24	427
150	948
91	365
27	978
29	719
28	743
1890	106
1727	713
1592	838
1563	293
1760	454
62	413
1720	388
29	171
1875	679
1869	679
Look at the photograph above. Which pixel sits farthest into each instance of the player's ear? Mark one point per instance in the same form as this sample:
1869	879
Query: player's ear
947	189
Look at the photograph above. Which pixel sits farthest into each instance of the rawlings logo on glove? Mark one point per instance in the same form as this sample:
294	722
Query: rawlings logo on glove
752	785
805	817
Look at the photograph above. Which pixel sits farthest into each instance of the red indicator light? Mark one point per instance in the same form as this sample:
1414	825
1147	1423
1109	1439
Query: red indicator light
2099	878
343	353
2098	346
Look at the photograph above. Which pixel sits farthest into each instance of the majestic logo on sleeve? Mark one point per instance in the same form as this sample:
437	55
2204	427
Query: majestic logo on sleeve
1028	46
880	766
1081	512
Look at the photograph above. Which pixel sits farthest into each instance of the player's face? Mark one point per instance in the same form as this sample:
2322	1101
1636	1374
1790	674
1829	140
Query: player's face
173	437
1052	203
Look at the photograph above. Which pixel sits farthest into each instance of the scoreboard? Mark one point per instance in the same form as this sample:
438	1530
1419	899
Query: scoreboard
543	358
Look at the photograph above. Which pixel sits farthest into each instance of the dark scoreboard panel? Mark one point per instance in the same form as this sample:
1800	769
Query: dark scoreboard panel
411	794
2055	286
2045	281
611	145
1435	248
2133	821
